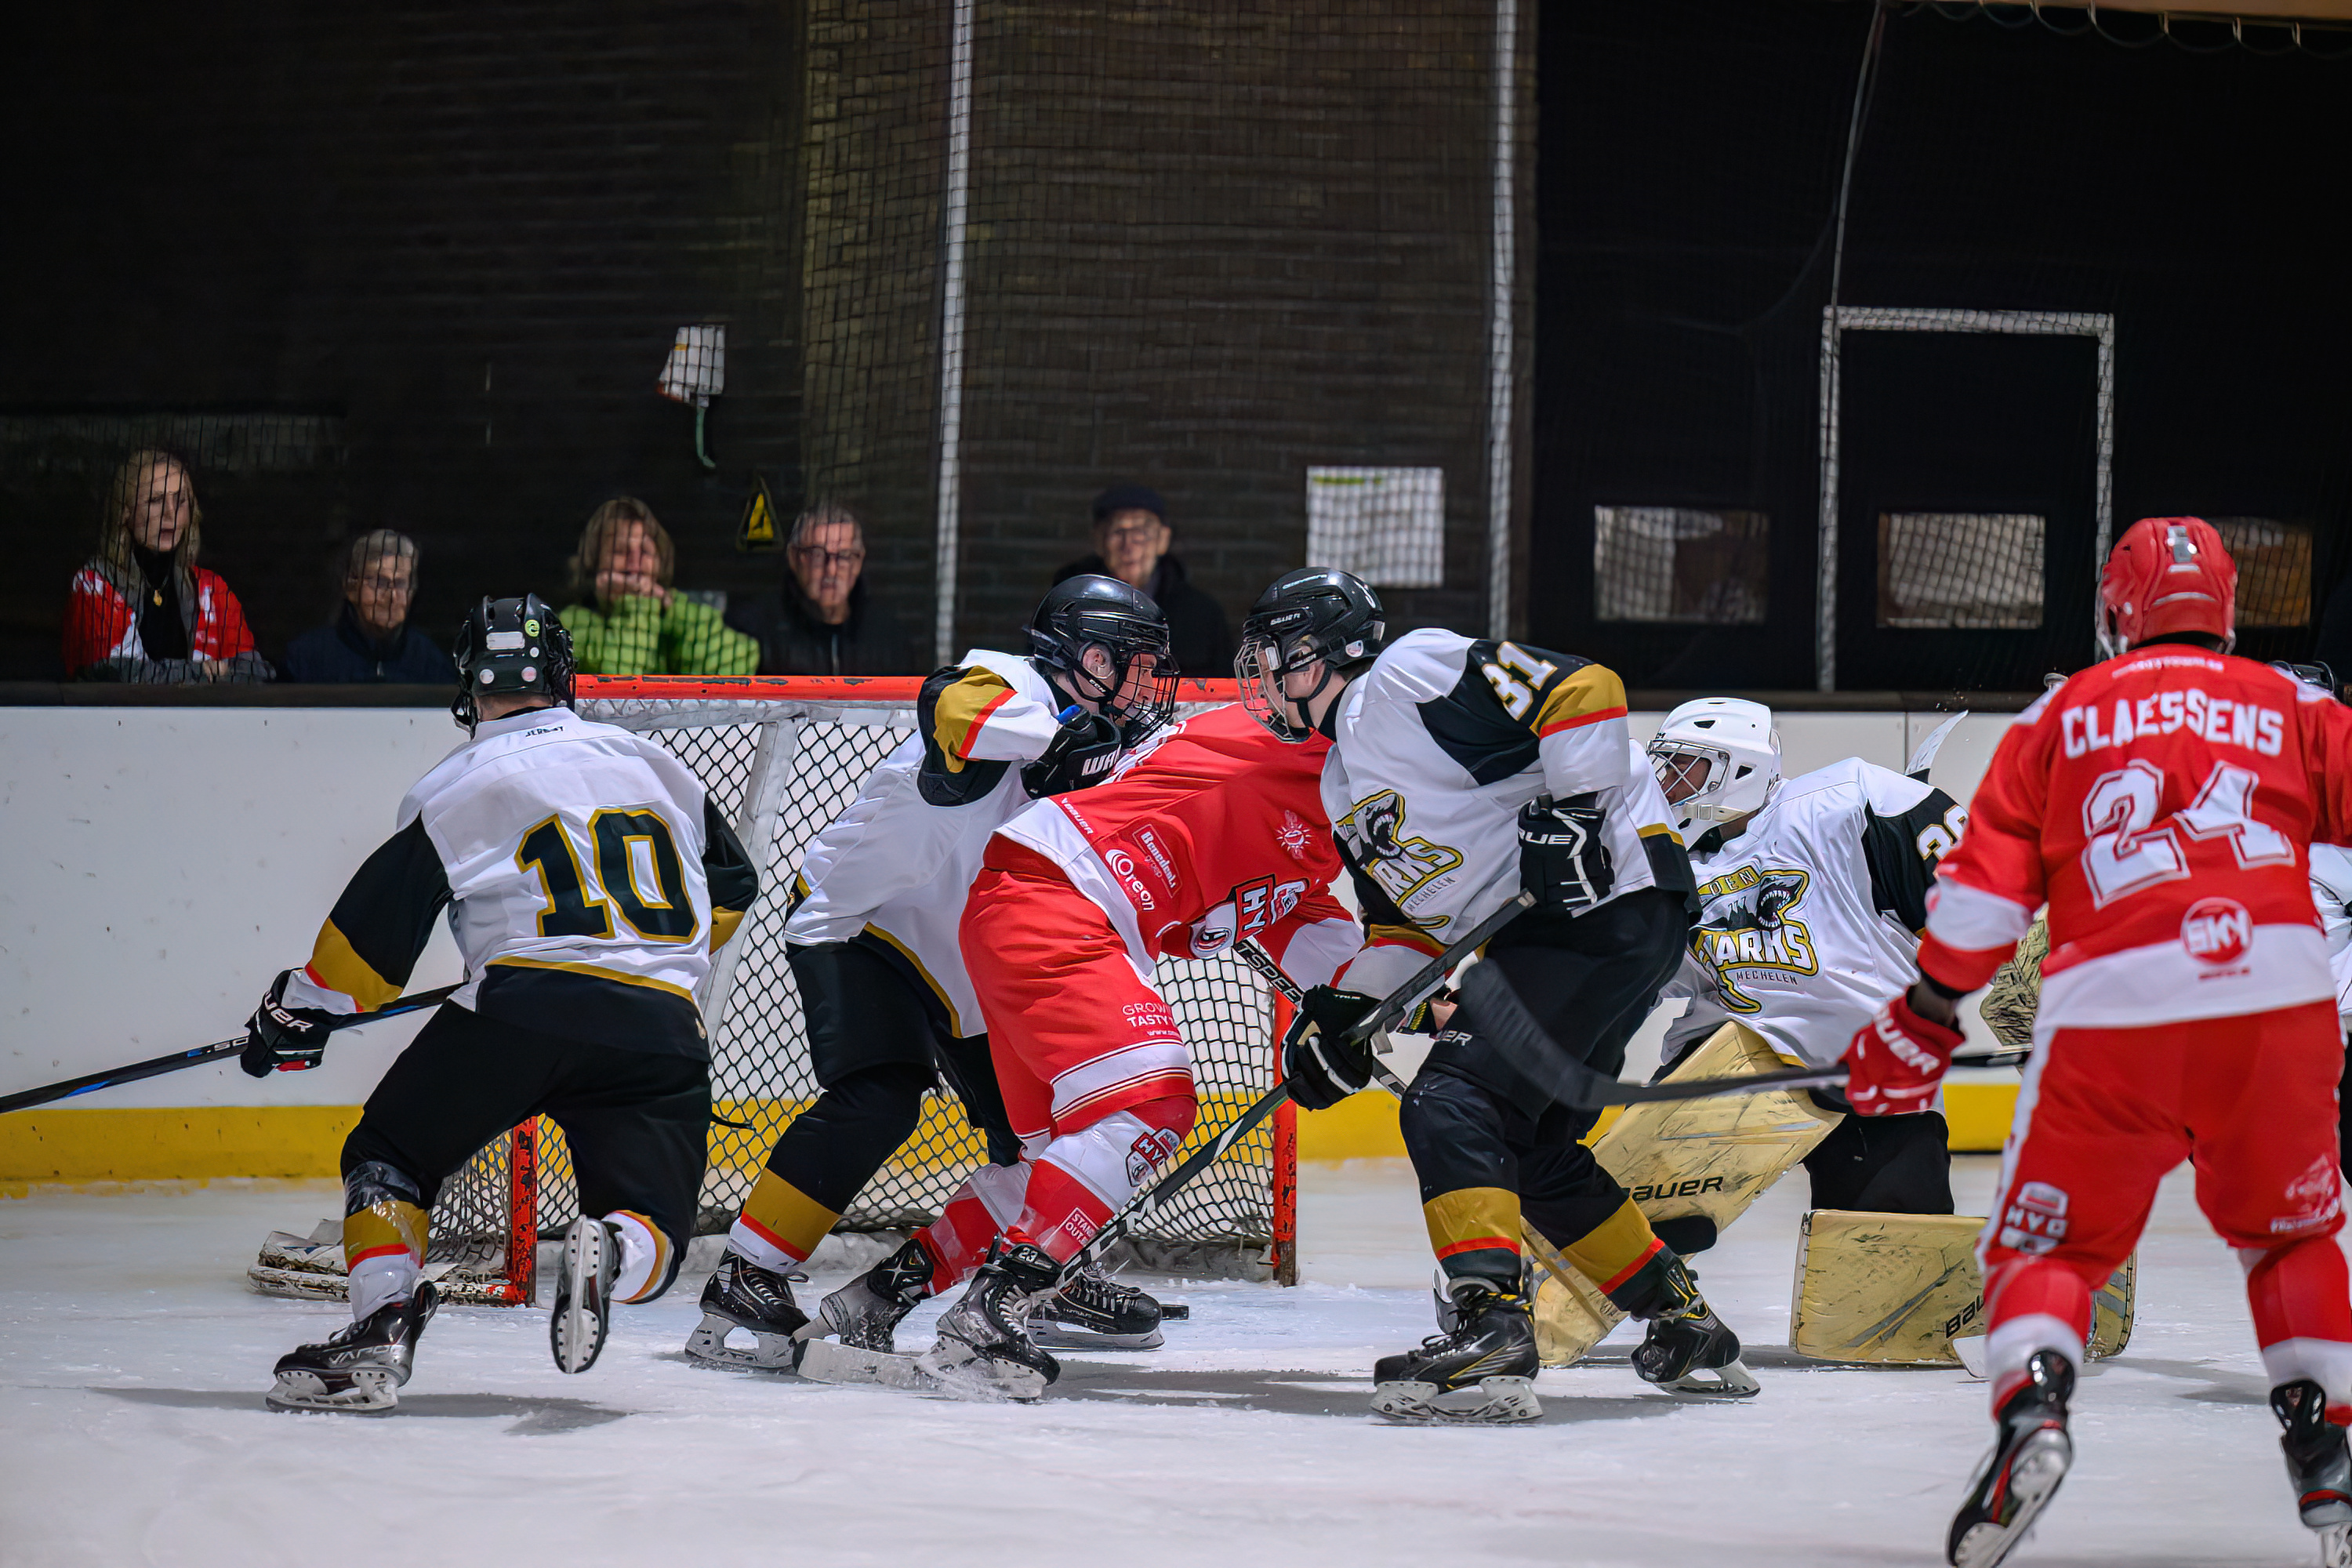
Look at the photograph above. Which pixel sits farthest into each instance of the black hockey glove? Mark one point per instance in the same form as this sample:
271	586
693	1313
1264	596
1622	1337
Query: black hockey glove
1320	1070
1563	859
1080	755
278	1039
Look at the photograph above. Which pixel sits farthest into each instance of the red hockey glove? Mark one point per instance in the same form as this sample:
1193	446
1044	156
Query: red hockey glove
1896	1060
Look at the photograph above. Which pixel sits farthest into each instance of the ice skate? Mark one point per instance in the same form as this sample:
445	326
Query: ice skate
1488	1358
865	1313
583	1294
2022	1474
742	1295
984	1350
358	1369
1688	1348
1093	1312
2318	1466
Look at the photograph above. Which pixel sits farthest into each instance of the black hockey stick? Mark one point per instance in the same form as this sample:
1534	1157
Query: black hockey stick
1399	1002
156	1067
1505	1019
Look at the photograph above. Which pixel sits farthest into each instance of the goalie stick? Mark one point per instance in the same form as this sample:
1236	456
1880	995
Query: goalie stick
155	1067
1549	1066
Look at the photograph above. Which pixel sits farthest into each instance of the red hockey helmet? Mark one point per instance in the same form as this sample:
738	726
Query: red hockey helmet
2168	574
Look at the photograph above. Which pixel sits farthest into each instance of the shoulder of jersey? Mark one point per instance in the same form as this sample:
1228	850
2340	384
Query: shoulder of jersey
1418	666
1016	670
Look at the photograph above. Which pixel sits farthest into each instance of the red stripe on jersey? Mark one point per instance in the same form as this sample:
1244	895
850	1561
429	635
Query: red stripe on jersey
1480	1243
1580	720
979	720
1618	1279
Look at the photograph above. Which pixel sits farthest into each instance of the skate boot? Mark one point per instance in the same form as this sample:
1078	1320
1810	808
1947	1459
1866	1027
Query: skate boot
2020	1477
866	1312
1488	1355
1688	1348
742	1295
984	1350
1093	1312
358	1369
583	1294
2319	1467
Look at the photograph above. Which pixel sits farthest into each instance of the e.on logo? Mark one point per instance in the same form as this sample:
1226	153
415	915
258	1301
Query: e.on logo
2217	931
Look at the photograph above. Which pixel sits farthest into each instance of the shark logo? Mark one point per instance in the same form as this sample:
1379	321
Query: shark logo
1748	930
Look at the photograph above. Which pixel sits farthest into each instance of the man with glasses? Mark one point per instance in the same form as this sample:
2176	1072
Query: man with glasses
1131	534
822	621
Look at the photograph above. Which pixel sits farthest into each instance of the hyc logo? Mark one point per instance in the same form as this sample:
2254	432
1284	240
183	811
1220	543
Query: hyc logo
2217	931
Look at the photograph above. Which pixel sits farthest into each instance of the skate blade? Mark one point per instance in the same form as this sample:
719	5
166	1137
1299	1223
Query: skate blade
1174	1313
368	1394
830	1361
1732	1380
1062	1337
576	1329
2033	1478
1970	1349
1495	1400
767	1352
2336	1546
978	1380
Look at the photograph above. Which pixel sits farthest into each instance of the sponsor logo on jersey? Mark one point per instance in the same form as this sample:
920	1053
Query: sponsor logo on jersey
1248	909
1748	932
2217	931
1149	840
1294	837
2223	721
1122	866
1378	845
2035	1219
1156	1144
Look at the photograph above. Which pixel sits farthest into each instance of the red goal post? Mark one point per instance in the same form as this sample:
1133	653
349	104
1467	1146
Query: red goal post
780	756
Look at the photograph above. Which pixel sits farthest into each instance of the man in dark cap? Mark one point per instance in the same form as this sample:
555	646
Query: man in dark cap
1131	538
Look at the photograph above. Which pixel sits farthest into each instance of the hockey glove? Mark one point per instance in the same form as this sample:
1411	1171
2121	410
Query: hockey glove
1320	1069
278	1039
1896	1060
1080	755
1563	859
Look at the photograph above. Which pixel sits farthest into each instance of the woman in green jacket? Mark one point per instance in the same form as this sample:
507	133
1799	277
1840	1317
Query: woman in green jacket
634	623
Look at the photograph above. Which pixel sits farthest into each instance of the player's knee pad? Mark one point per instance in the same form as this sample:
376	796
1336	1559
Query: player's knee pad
883	1102
1450	1131
1111	1156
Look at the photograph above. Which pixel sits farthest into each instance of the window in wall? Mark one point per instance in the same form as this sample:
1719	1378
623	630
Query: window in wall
1386	525
2274	569
1960	570
1679	564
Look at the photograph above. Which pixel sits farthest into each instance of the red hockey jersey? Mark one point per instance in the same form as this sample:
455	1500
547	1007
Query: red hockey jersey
2163	805
1214	833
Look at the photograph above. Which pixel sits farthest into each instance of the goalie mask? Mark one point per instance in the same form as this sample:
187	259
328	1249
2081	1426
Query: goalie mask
1316	612
1131	676
509	647
1717	759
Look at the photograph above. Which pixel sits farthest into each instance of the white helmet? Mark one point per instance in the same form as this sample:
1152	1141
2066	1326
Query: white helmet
1730	747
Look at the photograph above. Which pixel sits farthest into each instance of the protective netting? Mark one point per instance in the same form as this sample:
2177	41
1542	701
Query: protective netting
781	772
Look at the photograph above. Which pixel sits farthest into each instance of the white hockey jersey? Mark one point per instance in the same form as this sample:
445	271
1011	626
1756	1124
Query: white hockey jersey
1809	921
893	870
586	878
2331	891
1434	750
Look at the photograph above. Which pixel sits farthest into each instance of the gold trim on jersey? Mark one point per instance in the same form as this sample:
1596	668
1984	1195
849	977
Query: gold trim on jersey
382	1229
1584	696
955	1020
336	966
786	1217
602	974
1473	1219
961	709
723	925
1650	831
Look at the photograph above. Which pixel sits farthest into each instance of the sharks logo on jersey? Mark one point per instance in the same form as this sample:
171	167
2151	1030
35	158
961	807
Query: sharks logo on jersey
1747	931
1374	837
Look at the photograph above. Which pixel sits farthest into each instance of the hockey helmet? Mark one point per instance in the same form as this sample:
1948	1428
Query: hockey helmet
1138	690
2168	576
1315	613
508	648
1717	758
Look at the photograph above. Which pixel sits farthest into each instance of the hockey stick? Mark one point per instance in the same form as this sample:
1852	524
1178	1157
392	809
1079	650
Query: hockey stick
155	1067
1399	1002
1506	1019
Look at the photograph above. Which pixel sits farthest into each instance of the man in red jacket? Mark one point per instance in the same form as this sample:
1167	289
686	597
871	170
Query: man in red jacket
1214	835
2162	804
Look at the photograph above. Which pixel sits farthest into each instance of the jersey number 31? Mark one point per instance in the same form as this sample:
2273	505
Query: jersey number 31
647	884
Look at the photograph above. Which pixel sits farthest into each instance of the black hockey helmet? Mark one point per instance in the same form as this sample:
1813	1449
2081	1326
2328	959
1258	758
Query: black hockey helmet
1315	613
1091	611
508	647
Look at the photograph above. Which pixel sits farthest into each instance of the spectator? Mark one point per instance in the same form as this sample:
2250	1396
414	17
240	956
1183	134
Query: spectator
371	639
634	623
1131	538
141	609
822	621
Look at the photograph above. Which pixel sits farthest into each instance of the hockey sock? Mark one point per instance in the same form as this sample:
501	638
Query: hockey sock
1084	1175
384	1232
988	1202
1621	1256
2302	1318
2034	1304
830	1151
779	1224
648	1259
1474	1231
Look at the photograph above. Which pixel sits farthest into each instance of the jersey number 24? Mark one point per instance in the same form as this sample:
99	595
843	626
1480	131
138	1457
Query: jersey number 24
647	884
2129	849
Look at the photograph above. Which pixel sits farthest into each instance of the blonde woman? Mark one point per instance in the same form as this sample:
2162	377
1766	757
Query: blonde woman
141	609
630	622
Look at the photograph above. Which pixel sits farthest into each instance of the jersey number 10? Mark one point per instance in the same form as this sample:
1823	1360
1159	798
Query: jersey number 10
663	913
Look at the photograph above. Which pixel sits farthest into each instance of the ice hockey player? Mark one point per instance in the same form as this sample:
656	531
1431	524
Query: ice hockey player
587	880
888	1006
1215	834
2162	803
1460	770
1812	893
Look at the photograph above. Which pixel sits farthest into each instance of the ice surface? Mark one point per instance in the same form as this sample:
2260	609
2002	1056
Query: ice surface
133	1359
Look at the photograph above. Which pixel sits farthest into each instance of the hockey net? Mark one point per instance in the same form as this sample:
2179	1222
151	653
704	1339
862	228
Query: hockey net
782	757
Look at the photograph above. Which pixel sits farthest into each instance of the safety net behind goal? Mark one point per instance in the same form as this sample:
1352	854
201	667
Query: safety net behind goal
782	757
